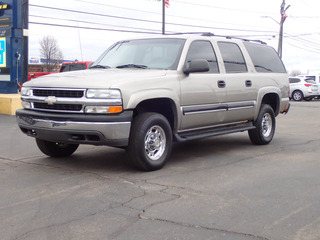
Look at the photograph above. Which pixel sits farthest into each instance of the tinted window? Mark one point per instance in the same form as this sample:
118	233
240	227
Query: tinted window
264	58
73	67
294	80
203	50
310	81
232	57
310	78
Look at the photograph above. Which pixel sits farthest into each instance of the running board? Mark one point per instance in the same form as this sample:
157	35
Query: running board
216	131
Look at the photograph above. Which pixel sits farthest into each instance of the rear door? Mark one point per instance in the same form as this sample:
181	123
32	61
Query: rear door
240	84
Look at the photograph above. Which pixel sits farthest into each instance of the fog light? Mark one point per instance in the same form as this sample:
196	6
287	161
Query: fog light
26	104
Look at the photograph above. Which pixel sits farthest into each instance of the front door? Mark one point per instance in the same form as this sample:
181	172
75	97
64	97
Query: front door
202	94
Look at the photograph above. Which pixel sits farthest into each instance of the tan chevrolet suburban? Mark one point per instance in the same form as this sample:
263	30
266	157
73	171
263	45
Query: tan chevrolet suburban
143	94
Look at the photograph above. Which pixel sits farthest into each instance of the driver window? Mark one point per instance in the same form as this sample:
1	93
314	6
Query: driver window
203	50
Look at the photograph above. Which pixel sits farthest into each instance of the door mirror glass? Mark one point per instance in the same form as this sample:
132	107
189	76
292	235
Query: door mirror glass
196	65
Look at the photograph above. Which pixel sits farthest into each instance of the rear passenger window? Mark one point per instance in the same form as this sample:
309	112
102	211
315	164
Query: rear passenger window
203	50
311	78
232	57
264	58
294	80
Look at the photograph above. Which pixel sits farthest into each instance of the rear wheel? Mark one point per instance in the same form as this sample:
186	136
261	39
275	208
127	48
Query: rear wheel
54	149
265	126
150	141
297	95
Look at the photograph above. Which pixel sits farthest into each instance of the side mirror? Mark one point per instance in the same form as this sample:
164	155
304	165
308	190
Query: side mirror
196	65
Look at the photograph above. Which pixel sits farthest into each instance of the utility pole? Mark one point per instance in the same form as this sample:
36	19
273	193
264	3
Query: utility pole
163	17
283	10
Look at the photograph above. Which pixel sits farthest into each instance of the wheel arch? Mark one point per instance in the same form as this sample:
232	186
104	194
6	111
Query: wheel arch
273	100
163	106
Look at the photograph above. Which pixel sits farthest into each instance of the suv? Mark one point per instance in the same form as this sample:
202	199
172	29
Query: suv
301	88
143	94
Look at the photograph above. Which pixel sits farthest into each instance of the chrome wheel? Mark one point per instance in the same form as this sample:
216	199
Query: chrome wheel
150	141
155	143
266	124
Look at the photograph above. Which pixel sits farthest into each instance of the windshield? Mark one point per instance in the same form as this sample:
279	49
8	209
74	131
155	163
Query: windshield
145	53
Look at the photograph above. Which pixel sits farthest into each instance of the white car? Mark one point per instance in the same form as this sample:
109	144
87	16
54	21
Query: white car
315	77
301	88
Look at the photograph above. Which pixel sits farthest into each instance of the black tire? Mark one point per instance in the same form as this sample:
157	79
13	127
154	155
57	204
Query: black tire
54	149
265	126
308	98
297	95
150	141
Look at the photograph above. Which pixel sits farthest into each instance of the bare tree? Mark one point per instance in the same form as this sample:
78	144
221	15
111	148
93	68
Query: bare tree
294	73
50	50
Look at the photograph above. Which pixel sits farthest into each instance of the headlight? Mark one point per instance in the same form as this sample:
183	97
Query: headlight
25	91
103	93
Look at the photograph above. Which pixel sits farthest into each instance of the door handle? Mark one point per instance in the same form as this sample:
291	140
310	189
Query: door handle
248	83
221	84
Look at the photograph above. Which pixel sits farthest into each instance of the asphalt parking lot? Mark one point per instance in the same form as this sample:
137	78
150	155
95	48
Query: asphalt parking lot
220	188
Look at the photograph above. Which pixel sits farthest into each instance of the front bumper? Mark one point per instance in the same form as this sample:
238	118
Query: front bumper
111	130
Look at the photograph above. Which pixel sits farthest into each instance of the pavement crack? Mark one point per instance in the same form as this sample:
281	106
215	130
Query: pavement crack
249	235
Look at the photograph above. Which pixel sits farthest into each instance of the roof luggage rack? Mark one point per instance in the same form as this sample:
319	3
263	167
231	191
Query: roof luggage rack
210	34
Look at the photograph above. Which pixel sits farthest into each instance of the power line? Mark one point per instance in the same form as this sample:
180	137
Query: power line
304	47
305	41
158	13
91	28
222	8
87	22
96	14
151	21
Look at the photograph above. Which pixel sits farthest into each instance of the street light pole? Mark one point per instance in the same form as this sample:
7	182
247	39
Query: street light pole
283	10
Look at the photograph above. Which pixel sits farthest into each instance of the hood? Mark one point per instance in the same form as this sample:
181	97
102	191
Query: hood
95	78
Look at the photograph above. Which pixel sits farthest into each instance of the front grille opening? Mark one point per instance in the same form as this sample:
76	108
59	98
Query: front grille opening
93	138
60	107
58	93
84	137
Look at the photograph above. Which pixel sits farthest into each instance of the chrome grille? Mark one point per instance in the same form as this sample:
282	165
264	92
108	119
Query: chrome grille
58	93
60	107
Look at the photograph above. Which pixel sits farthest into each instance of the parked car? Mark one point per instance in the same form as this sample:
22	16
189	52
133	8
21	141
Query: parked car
143	94
65	67
301	88
75	65
315	78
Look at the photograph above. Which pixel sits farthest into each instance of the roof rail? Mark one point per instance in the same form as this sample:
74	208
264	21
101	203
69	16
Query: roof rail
210	34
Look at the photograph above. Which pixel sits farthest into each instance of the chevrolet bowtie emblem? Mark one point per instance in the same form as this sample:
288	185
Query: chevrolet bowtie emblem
50	100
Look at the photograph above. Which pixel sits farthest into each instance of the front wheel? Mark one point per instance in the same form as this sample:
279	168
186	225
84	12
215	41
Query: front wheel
150	141
54	149
265	126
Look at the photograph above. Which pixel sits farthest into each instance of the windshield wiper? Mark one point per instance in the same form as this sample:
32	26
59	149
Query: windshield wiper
99	66
132	66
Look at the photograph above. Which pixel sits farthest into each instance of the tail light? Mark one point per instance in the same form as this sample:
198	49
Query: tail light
307	84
